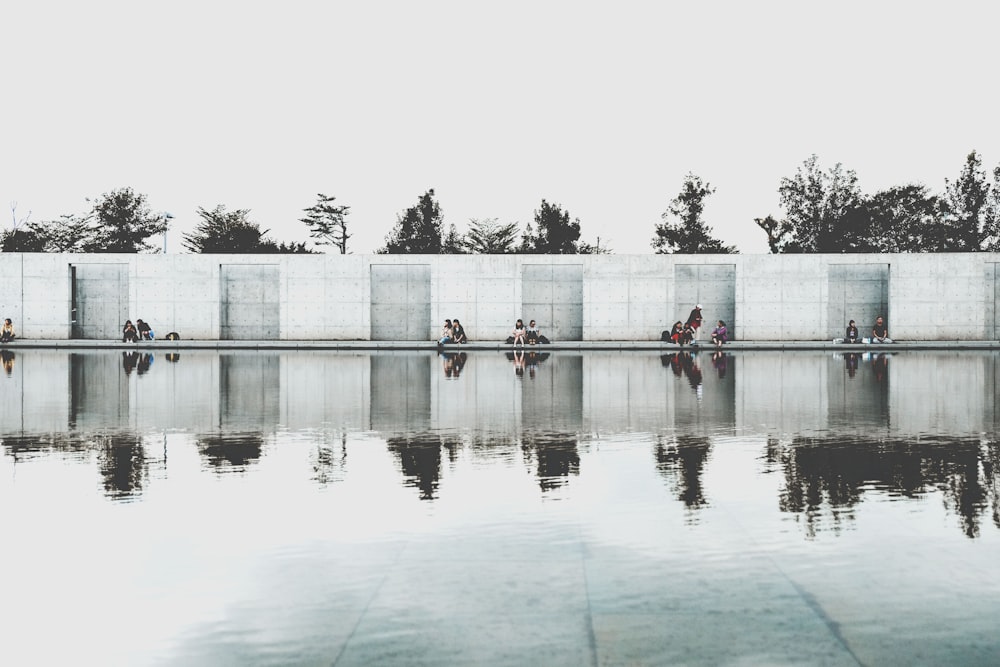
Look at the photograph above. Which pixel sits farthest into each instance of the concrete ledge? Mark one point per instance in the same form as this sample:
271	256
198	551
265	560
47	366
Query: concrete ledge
579	346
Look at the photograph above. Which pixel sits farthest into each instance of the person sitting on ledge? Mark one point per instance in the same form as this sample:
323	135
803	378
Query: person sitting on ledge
674	334
145	331
534	335
719	334
518	333
880	332
7	332
851	336
129	334
458	332
446	333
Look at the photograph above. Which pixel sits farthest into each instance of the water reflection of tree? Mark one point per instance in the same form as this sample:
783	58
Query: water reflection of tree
682	462
834	475
123	465
231	451
555	456
420	459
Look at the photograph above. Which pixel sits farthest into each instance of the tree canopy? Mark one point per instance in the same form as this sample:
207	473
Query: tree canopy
418	229
123	223
553	234
222	231
327	222
683	230
827	212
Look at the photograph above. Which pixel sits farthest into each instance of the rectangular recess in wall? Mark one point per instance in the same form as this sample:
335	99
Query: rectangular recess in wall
552	295
858	292
100	300
249	303
711	285
401	302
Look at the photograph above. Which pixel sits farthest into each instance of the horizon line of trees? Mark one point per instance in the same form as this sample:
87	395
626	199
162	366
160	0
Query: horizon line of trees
825	211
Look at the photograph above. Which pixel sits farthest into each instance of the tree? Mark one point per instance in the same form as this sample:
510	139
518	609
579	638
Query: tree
821	210
903	219
124	223
417	230
991	216
327	222
965	205
70	233
556	235
453	243
683	230
222	231
487	236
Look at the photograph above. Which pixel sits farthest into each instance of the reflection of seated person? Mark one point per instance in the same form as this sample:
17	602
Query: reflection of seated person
851	363
129	333
8	361
719	361
129	361
453	363
145	361
7	332
458	332
851	336
880	332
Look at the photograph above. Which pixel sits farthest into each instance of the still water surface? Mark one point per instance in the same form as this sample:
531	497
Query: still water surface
490	508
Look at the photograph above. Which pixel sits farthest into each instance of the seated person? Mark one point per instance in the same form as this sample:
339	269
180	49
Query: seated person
880	332
675	333
458	332
129	333
851	336
446	333
7	332
145	331
519	333
719	334
531	334
687	334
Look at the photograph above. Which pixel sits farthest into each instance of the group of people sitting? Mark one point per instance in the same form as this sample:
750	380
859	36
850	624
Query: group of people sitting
453	332
529	335
880	332
684	333
132	333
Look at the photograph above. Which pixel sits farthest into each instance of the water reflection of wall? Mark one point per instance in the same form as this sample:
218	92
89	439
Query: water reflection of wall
685	392
782	393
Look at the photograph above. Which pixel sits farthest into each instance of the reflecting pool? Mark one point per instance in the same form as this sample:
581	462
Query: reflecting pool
253	508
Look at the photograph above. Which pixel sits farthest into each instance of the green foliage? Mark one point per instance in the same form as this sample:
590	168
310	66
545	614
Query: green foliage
327	222
683	230
453	243
821	209
222	231
123	223
556	235
487	236
965	207
417	230
903	219
21	240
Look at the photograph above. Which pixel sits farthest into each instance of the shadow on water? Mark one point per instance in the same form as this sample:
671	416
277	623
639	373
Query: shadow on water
837	428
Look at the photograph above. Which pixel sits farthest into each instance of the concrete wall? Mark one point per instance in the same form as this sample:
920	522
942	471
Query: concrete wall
608	297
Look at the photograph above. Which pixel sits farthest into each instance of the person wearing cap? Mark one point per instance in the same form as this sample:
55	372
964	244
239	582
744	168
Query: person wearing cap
694	321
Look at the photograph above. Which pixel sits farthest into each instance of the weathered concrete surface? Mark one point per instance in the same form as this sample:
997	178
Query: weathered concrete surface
626	298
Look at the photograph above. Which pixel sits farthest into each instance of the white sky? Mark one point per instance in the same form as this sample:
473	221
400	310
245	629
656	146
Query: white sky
600	107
